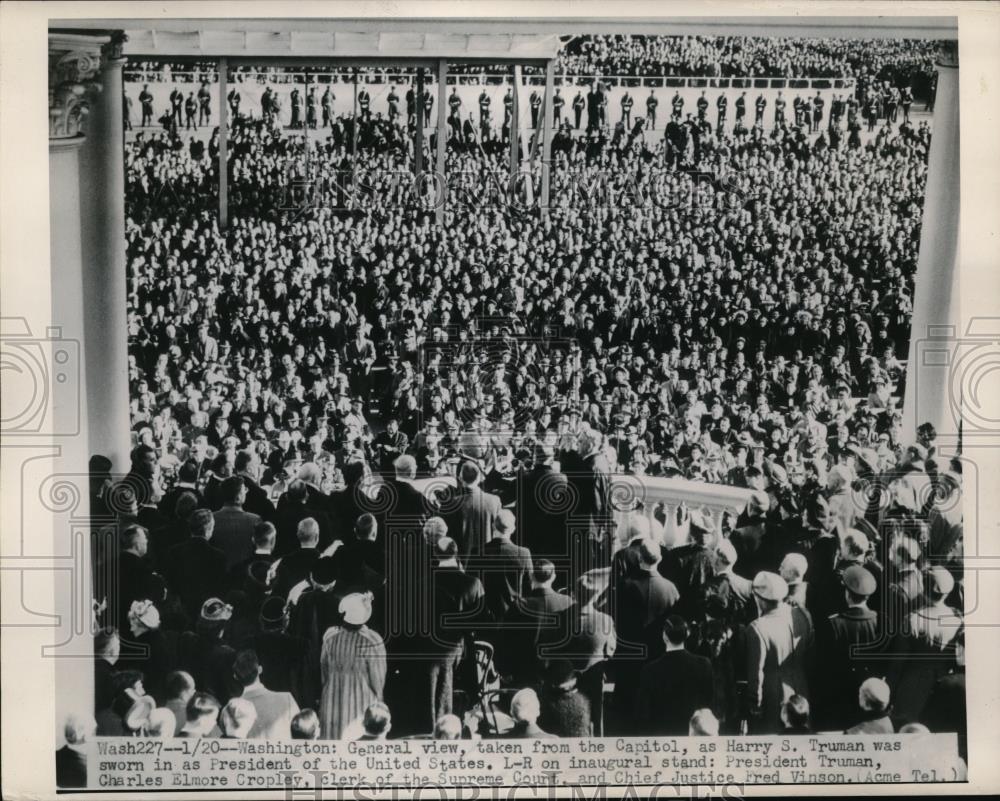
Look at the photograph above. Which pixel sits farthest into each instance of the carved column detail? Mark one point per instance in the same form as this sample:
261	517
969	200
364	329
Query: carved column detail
74	65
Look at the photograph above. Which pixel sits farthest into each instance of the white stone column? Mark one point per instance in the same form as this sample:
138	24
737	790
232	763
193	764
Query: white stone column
74	62
104	266
935	321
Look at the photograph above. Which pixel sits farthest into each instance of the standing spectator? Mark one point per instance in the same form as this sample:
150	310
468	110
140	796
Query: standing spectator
274	710
672	687
565	711
353	667
233	532
776	646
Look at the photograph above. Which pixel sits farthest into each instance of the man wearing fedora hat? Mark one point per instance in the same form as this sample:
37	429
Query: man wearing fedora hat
777	642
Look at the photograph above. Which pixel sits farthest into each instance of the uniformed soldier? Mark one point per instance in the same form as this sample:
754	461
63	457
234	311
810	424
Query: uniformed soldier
233	99
651	104
454	104
428	107
779	109
558	101
508	106
311	107
146	102
326	102
204	104
817	115
296	100
760	104
722	106
578	106
365	103
393	104
840	643
177	105
677	104
702	106
536	102
741	107
484	108
190	110
627	103
906	100
411	106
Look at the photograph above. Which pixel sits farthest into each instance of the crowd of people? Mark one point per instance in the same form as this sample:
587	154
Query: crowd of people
272	565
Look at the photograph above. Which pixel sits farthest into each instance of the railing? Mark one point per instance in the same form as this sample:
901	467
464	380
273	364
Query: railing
372	77
653	497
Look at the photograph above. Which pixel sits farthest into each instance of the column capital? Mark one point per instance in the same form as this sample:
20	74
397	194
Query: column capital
74	64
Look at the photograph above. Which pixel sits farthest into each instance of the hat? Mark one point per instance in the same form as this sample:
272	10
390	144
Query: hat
939	581
726	549
776	473
138	714
794	567
859	581
874	694
770	586
257	571
99	464
272	611
146	613
215	610
356	608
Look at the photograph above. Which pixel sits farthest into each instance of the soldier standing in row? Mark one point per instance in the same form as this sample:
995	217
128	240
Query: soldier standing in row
702	106
760	104
484	109
677	104
326	102
651	104
233	98
558	101
296	109
536	103
204	104
393	104
627	103
365	104
190	111
579	104
146	103
741	108
722	106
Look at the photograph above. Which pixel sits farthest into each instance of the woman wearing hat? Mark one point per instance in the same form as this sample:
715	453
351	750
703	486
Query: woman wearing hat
353	667
157	660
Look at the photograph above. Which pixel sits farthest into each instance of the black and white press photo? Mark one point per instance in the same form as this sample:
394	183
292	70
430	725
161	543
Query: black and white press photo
505	403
